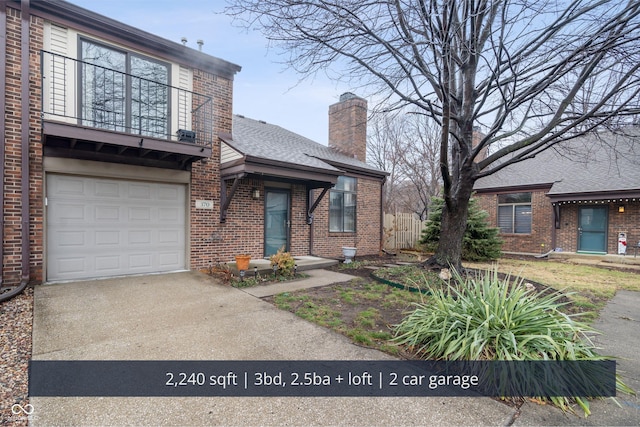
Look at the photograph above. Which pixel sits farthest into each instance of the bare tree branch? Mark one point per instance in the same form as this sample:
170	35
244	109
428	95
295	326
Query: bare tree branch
533	74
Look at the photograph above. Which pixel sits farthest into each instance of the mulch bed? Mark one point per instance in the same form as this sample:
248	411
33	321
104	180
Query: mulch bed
16	323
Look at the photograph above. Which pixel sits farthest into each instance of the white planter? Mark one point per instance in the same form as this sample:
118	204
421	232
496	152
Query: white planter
349	254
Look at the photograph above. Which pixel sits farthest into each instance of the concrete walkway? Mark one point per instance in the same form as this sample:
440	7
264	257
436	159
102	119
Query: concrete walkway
619	324
317	278
189	316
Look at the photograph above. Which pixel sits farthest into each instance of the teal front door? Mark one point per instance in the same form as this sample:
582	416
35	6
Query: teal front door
276	221
592	229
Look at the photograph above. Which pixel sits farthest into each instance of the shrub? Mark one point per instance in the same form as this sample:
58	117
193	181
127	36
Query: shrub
480	242
284	261
486	318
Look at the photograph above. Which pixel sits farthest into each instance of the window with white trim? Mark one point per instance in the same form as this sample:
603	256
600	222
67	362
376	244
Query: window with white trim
514	213
342	206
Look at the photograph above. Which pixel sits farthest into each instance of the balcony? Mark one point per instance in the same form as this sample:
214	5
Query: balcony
95	112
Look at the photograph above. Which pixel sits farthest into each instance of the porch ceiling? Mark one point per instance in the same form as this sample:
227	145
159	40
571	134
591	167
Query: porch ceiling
66	140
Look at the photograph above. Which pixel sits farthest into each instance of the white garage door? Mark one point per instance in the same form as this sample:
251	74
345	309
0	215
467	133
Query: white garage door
107	227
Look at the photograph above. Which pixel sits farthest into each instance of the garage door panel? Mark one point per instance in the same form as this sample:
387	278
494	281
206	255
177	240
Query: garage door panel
169	259
108	264
74	265
140	214
103	227
140	191
166	192
107	213
68	211
170	214
107	189
140	237
107	238
71	238
69	185
168	236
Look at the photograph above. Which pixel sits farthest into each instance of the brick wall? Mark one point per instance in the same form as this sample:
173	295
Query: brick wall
368	226
205	234
628	221
300	230
36	174
539	240
12	209
567	235
243	231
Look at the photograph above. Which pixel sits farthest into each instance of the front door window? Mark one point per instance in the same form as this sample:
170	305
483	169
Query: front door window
276	221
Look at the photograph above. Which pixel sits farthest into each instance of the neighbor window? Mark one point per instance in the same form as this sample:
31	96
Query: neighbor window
514	213
124	92
342	205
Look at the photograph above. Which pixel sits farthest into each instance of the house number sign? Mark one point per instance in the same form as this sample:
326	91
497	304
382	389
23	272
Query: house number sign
204	204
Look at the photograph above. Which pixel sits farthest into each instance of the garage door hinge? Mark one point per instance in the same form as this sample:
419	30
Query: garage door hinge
46	201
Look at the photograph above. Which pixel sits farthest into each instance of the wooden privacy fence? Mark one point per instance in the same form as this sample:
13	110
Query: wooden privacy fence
402	231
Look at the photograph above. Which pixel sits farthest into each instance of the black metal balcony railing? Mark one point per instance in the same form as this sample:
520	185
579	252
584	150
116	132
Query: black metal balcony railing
94	96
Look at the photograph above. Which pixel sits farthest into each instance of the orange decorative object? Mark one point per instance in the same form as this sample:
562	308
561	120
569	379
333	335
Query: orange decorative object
242	262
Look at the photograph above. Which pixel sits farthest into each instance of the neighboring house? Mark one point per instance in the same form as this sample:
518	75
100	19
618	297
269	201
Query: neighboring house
111	158
577	197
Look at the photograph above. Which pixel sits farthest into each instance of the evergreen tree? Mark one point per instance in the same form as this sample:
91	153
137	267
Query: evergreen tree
480	242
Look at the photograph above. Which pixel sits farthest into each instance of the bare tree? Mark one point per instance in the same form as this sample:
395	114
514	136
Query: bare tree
421	162
406	145
386	145
533	73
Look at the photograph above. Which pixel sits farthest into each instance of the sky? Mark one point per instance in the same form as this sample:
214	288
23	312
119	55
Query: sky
264	89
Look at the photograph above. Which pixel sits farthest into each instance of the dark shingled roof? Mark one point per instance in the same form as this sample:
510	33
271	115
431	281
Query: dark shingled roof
600	163
266	141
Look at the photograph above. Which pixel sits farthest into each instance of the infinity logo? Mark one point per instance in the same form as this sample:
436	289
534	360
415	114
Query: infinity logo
26	409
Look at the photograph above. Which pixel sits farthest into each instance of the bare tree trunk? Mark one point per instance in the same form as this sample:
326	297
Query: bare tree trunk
452	228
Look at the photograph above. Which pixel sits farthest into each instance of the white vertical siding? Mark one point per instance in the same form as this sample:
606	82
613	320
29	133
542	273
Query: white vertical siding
59	73
184	99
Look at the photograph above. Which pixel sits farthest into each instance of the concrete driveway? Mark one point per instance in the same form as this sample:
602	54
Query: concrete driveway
190	316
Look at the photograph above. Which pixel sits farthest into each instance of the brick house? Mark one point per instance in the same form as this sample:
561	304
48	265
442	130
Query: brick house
111	157
284	190
576	198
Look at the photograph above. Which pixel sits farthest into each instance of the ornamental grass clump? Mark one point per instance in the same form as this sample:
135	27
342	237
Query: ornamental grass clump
488	318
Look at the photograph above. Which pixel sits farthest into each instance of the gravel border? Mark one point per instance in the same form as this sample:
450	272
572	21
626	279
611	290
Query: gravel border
16	326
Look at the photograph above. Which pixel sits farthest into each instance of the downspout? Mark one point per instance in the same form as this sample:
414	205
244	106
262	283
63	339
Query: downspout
24	83
555	224
382	203
310	220
24	93
3	87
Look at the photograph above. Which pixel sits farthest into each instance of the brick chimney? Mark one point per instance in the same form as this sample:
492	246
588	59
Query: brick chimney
477	137
348	126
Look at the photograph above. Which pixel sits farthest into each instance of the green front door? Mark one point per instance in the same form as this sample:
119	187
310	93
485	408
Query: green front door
276	221
592	229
